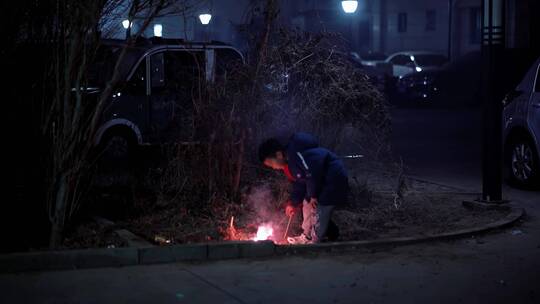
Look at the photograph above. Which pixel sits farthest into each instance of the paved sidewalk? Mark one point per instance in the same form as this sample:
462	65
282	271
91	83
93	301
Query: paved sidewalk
501	267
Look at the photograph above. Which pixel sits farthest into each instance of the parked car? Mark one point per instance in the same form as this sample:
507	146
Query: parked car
370	58
154	95
456	82
404	63
376	76
418	87
521	118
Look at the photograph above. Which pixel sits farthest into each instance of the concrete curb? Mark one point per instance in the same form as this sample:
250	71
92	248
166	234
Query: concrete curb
68	259
510	219
131	239
114	257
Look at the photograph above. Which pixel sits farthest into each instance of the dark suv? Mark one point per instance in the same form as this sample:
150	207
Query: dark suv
158	78
521	118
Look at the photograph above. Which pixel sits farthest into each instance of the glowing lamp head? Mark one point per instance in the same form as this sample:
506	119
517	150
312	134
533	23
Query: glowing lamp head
418	69
158	30
349	6
205	18
126	24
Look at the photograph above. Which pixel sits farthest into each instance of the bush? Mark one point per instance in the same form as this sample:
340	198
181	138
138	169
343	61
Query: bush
304	82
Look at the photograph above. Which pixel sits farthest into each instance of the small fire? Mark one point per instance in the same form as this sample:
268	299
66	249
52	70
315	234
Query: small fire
264	232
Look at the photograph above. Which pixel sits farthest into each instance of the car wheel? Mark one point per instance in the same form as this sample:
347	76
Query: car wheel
118	147
522	162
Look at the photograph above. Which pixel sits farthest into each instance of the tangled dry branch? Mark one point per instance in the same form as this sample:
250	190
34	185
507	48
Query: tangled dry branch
305	83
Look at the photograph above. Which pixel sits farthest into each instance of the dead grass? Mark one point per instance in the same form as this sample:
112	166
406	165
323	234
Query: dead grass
92	235
422	214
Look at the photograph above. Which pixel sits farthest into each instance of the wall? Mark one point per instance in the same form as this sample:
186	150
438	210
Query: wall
226	14
462	30
373	27
416	36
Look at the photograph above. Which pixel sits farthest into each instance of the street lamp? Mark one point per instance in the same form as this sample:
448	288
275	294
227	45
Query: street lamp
349	6
126	24
205	18
158	30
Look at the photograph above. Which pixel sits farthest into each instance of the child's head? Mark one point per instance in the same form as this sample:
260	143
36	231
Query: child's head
272	154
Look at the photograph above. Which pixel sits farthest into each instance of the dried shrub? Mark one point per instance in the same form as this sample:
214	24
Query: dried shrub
314	86
304	82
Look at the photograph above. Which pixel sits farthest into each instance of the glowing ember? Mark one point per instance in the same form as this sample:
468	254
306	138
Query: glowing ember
263	233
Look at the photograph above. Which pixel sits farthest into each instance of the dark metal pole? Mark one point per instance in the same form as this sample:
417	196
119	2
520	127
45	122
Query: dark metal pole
384	26
492	47
450	4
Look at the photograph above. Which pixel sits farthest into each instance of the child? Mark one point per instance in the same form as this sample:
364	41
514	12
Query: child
319	179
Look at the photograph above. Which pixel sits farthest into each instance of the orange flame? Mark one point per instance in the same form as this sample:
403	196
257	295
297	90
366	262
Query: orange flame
264	232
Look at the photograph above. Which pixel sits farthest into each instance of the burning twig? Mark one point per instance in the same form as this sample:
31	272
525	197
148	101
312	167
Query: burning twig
287	230
232	230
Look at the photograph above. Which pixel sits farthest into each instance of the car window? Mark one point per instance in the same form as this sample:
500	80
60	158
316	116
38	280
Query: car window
226	61
176	72
137	83
157	71
406	60
373	56
400	60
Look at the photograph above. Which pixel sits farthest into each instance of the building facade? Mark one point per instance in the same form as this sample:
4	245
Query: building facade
449	27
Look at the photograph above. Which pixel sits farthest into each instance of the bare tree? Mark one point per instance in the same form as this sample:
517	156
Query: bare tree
70	119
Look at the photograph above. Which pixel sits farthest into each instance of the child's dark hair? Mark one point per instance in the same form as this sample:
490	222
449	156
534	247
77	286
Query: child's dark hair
269	148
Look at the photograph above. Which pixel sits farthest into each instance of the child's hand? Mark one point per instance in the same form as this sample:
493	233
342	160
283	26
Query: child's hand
289	210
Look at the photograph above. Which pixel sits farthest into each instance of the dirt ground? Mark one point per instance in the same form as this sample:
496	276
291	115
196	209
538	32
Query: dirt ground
423	208
419	214
91	235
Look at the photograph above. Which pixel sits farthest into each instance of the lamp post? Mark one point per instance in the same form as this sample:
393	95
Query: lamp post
350	7
127	24
450	7
493	44
492	48
205	19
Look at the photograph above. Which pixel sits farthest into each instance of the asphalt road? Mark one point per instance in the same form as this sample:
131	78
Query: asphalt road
440	145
